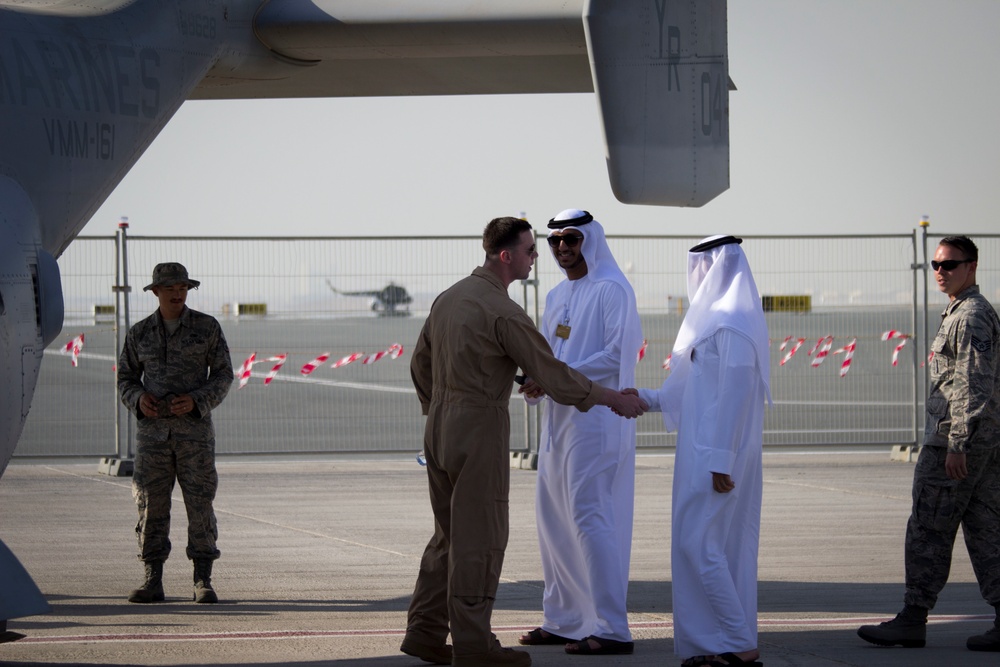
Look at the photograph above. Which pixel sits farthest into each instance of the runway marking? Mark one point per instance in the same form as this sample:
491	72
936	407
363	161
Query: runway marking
177	497
340	384
666	624
852	492
808	431
281	378
318	534
208	636
853	403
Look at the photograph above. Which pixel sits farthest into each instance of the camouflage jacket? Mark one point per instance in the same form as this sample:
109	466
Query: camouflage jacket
193	360
963	401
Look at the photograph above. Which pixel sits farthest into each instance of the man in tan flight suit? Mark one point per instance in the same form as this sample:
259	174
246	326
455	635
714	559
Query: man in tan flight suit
463	367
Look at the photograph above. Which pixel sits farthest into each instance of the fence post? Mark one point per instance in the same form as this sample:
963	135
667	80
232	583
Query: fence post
123	465
528	459
909	452
925	222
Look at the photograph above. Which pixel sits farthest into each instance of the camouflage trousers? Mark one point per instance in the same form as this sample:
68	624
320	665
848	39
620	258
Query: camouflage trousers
940	506
157	465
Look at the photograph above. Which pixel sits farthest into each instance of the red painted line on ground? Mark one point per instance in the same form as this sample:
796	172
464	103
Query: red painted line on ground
207	636
836	621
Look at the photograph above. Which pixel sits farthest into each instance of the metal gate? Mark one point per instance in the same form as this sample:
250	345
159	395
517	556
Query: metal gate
305	297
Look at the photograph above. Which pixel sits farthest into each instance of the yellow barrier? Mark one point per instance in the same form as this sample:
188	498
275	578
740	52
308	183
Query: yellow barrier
786	303
249	309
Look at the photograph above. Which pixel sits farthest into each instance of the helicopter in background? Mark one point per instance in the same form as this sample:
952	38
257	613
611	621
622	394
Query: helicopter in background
391	300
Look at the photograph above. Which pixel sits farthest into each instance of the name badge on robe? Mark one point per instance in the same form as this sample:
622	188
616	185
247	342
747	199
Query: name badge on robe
562	331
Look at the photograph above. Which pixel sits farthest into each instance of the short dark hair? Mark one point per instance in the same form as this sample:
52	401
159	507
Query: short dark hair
503	234
963	244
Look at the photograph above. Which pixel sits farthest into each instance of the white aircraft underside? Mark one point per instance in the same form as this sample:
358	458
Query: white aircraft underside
86	85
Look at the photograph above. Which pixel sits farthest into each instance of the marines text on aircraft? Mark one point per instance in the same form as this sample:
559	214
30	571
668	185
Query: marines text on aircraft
87	85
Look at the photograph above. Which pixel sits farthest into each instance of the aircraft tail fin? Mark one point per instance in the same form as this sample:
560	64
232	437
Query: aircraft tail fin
661	72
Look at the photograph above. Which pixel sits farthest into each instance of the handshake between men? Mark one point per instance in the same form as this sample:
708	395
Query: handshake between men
625	403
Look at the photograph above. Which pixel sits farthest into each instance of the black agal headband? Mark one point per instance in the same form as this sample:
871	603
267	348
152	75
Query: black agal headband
715	243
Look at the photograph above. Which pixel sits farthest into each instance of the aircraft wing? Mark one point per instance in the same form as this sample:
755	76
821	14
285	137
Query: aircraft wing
660	68
347	48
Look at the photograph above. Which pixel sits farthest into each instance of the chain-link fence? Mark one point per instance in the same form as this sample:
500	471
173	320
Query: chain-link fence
305	297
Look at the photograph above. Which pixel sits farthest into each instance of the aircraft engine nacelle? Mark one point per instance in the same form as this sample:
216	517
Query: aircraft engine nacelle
31	310
31	315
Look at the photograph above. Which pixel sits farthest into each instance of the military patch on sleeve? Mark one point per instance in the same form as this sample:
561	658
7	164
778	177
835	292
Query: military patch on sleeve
982	345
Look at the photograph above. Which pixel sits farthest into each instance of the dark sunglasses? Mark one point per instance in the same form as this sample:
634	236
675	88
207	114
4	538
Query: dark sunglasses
569	239
948	264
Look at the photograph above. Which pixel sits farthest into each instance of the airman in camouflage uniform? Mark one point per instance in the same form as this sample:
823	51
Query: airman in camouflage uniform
957	476
174	370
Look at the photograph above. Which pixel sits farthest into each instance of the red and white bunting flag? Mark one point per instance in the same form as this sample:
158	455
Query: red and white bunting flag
791	353
642	350
814	348
848	351
929	358
892	333
393	352
666	362
244	370
784	343
824	350
73	347
375	356
280	359
349	359
895	353
314	364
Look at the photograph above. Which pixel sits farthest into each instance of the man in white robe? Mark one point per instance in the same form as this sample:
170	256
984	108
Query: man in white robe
715	398
586	464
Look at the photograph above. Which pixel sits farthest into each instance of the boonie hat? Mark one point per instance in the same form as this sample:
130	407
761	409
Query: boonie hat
170	273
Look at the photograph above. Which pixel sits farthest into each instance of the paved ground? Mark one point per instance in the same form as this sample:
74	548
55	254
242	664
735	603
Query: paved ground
319	559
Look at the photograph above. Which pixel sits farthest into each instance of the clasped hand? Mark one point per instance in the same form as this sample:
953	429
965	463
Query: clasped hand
171	405
625	403
628	405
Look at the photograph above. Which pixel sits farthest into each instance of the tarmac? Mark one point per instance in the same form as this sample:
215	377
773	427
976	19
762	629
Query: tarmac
319	558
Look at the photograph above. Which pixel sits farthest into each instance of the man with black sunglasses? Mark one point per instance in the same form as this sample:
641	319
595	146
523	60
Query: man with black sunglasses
957	477
586	462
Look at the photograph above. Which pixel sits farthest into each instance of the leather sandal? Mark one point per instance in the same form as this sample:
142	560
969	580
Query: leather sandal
539	637
604	647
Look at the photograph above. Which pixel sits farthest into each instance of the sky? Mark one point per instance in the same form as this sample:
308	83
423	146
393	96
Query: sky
851	117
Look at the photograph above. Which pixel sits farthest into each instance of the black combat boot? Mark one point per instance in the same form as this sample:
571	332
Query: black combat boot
203	591
908	629
151	589
988	641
